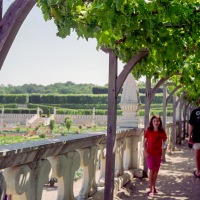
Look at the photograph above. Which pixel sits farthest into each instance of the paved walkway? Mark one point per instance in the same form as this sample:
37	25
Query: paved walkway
175	180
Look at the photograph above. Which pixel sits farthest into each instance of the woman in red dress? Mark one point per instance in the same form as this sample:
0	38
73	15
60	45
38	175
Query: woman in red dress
154	140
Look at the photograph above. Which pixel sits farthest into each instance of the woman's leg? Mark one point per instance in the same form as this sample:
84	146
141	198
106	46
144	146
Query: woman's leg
153	164
155	175
151	179
197	159
157	161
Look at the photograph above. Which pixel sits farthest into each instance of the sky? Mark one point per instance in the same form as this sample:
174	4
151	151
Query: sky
38	56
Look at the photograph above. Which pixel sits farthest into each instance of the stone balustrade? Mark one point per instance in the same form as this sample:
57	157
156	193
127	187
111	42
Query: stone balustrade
59	118
175	134
26	167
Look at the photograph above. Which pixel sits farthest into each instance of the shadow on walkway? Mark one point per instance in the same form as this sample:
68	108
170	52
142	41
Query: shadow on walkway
175	179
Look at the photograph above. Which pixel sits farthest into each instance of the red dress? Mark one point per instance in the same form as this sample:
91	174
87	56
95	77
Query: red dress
154	142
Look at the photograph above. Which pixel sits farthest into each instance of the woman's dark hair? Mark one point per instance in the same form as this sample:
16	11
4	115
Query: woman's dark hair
151	128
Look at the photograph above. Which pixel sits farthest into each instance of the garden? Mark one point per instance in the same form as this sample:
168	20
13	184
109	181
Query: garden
10	134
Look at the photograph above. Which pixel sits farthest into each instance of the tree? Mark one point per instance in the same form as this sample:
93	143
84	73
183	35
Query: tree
68	123
52	125
166	28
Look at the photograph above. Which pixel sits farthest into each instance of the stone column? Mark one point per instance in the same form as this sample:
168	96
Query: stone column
130	103
177	110
2	116
54	112
38	112
93	116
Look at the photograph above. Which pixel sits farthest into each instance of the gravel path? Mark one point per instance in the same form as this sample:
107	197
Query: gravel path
175	179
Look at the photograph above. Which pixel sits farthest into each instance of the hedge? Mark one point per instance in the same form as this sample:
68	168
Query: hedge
16	98
82	106
70	99
10	105
158	99
19	111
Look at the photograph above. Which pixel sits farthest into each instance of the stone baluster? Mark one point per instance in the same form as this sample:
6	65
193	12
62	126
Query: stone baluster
2	187
26	182
88	163
40	174
135	159
169	137
119	153
141	152
102	158
135	152
18	180
127	153
64	168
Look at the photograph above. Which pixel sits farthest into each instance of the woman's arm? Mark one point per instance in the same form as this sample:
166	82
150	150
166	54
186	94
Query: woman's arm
190	132
145	147
164	144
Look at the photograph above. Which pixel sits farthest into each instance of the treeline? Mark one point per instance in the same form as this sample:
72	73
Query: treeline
56	88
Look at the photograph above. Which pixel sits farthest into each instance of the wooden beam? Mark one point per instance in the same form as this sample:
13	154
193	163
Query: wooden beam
129	66
1	9
171	94
11	23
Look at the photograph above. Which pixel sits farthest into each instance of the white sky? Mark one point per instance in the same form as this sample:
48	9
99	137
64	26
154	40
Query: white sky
38	56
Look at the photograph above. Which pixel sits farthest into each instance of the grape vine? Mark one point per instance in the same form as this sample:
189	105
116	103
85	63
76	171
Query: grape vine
168	29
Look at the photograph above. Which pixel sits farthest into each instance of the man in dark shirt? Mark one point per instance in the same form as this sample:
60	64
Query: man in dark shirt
194	136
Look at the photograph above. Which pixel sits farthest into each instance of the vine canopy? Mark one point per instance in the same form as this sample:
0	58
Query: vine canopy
168	29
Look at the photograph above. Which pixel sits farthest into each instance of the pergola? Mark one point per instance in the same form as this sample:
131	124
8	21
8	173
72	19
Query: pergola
10	25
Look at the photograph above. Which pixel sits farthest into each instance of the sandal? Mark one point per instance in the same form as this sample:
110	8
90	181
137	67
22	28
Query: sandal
195	174
155	191
150	194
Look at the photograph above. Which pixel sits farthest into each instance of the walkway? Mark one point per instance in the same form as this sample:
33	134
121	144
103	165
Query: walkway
175	180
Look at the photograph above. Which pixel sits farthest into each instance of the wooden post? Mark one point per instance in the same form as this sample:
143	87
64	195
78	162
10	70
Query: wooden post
111	128
173	138
164	106
1	9
146	119
115	84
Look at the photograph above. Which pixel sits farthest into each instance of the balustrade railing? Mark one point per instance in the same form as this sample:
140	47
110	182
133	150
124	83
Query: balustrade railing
26	167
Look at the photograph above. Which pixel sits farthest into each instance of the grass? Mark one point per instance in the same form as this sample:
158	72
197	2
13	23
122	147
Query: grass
4	139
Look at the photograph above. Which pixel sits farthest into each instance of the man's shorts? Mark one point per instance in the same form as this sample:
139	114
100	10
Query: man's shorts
196	146
153	162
